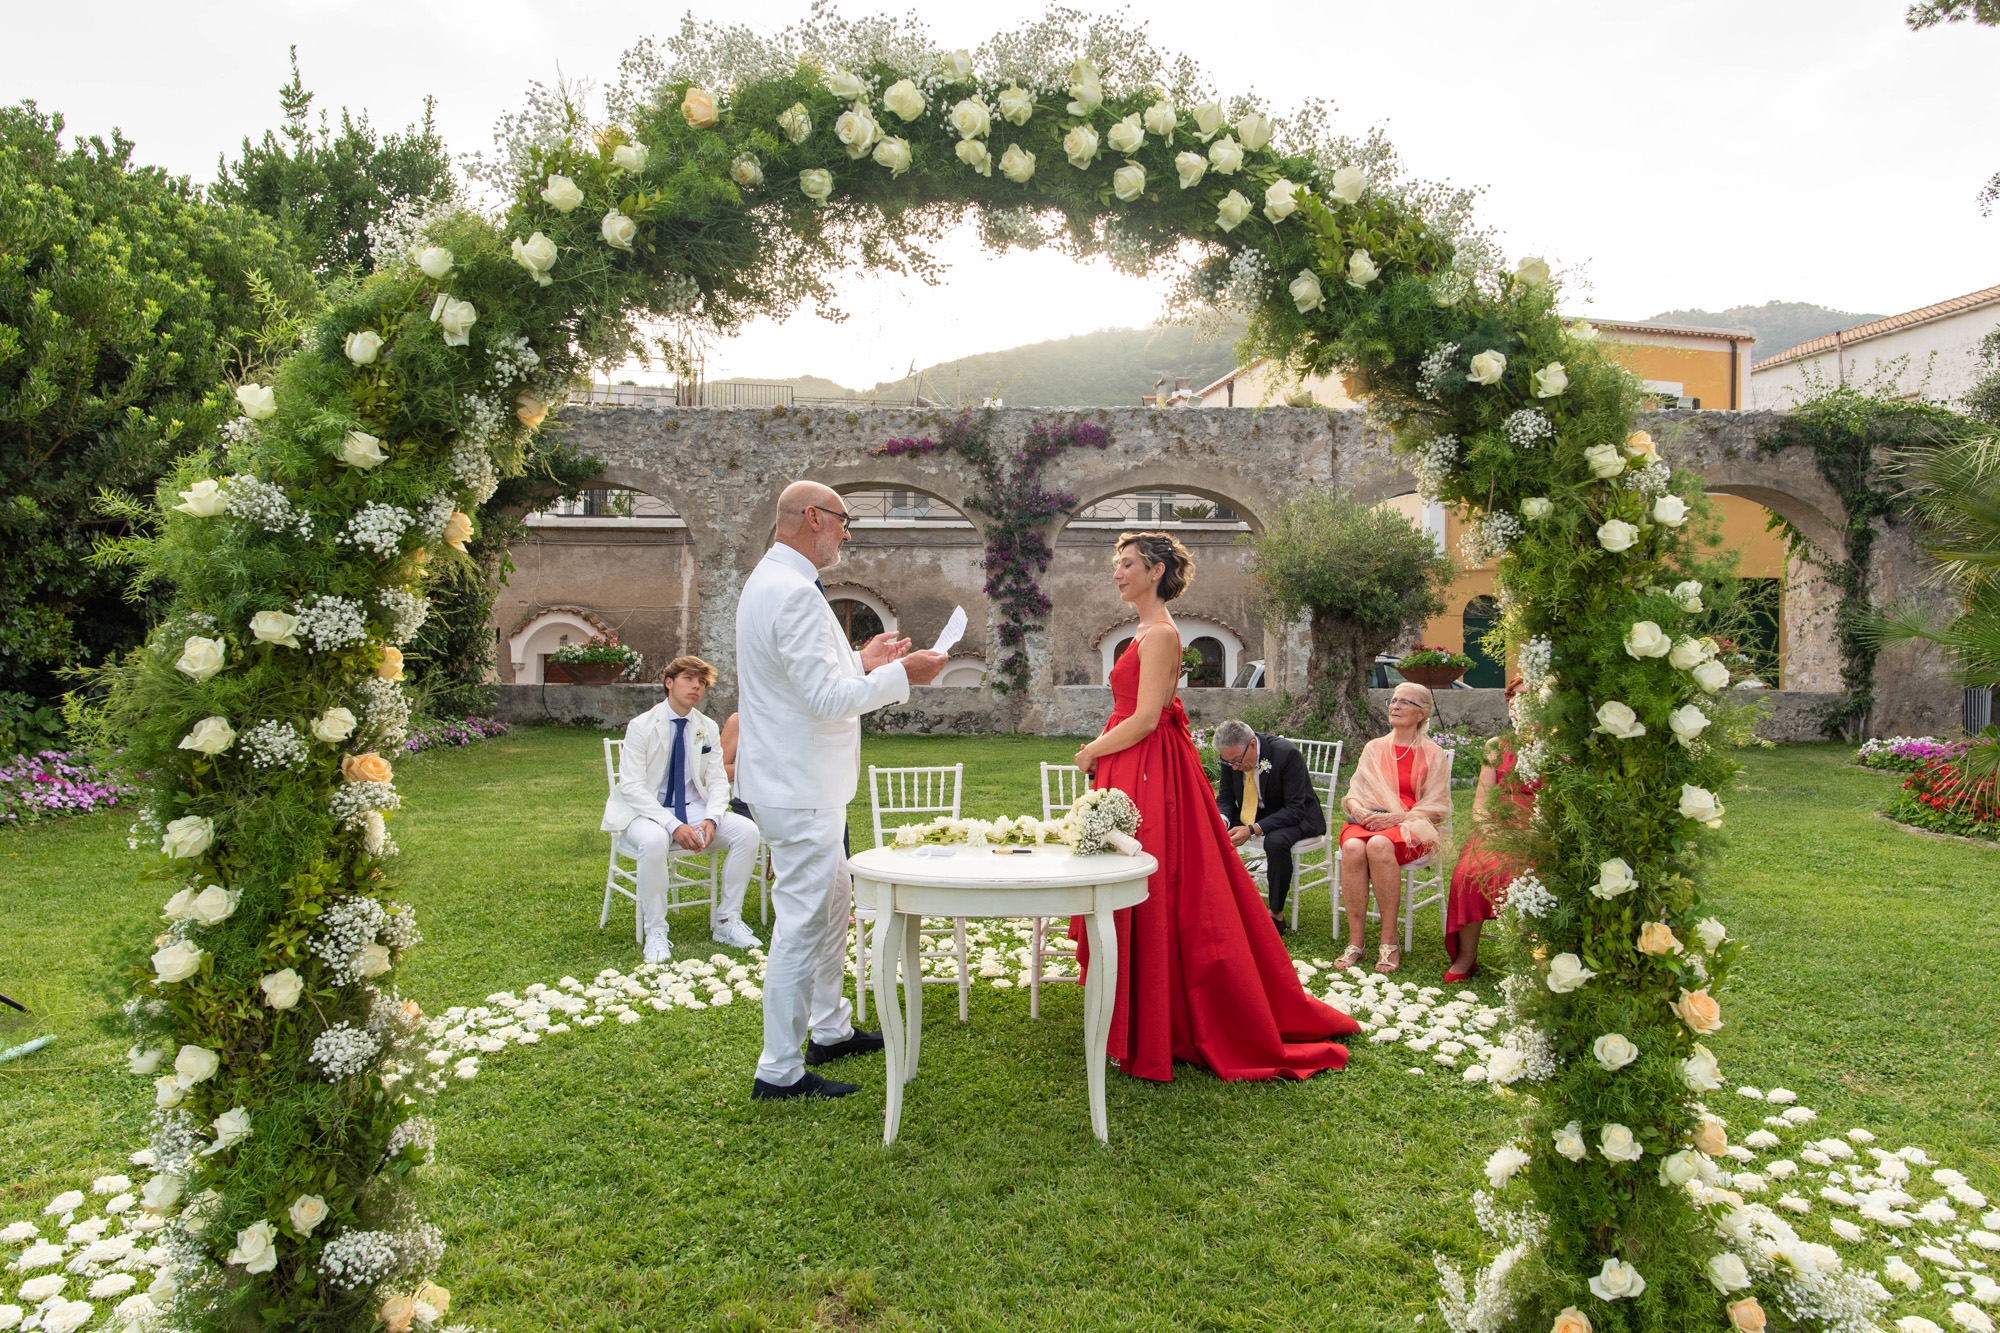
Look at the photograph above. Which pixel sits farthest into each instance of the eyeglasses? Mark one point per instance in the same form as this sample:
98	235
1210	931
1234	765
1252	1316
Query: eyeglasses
846	519
1241	763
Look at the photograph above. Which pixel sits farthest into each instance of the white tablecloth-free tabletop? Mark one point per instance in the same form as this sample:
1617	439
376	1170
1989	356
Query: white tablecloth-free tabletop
904	887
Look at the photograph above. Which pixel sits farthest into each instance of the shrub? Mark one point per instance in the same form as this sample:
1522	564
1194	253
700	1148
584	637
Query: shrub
1906	754
56	783
1939	797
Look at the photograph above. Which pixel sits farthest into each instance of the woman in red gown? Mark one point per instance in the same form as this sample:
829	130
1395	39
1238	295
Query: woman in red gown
1479	884
1203	977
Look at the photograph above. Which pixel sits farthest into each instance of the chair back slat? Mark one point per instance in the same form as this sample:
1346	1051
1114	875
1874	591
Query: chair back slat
614	757
934	790
1061	785
1323	759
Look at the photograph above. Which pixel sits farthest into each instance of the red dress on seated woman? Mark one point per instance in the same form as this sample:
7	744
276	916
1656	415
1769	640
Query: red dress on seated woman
1203	976
1406	784
1482	874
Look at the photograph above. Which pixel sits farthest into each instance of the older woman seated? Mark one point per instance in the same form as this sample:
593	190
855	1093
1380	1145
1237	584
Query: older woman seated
1397	802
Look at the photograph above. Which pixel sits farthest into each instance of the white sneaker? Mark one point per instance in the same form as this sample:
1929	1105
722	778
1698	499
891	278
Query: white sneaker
735	934
659	949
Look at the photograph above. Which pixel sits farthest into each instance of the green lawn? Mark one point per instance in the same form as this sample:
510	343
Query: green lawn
620	1178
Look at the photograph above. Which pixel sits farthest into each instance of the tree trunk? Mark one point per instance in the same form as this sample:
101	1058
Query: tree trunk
1343	657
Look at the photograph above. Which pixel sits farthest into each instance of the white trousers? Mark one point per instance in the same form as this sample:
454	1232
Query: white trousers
805	975
651	844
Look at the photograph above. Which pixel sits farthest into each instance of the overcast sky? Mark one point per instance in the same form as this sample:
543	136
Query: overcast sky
1709	153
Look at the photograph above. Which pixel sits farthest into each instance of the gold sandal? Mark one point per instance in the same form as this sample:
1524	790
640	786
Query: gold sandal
1389	958
1350	958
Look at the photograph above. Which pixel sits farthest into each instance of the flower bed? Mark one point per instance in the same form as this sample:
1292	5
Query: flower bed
1937	797
56	783
1906	754
464	731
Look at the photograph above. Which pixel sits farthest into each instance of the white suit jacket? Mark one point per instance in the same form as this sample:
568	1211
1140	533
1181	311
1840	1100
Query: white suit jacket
642	768
800	690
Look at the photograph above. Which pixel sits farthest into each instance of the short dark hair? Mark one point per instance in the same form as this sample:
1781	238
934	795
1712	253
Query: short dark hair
1163	548
688	665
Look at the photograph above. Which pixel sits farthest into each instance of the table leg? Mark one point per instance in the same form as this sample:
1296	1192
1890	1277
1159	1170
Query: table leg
887	949
913	991
1099	992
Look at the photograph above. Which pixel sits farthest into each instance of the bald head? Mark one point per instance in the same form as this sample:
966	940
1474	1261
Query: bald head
797	499
812	521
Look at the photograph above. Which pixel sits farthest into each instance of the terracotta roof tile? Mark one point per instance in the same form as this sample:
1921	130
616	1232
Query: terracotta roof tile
1862	332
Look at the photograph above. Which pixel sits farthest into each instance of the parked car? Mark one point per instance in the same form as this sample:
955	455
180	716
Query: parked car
1249	676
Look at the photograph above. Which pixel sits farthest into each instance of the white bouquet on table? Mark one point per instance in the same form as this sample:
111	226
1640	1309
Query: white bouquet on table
1025	830
1101	821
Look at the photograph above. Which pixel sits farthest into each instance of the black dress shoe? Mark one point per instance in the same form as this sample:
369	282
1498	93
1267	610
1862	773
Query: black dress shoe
859	1042
1279	922
809	1085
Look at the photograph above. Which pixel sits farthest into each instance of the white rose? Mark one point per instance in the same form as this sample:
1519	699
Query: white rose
561	194
974	154
894	154
168	1092
971	119
187	837
1688	594
1614	1050
1487	368
843	84
177	962
1688	654
1687	722
1700	1072
1618	721
435	261
1567	973
372	961
1086	87
203	500
256	1248
904	99
200	658
857	129
537	254
1126	135
1569	1141
282	989
1604	460
1017	164
796	122
1207	119
1016	105
1191	167
1679	1168
144	1060
1536	506
1712	933
213	905
1532	272
1504	1064
211	735
363	346
1305	289
275	627
161	1193
179	907
1161	119
1617	535
361	450
1670	510
1646	639
231	1128
1080	146
257	401
816	183
196	1064
630	158
1700	805
1617	1281
618	230
1711	676
455	319
333	726
1613	878
1254	130
1128	182
1348	184
1727	1273
958	66
1232	210
1618	1145
307	1211
1226	156
1281	201
1504	1165
374	832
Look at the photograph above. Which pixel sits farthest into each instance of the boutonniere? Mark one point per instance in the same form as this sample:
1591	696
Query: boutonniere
1263	766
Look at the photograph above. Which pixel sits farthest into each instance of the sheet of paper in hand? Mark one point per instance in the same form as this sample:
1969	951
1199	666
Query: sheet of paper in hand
953	631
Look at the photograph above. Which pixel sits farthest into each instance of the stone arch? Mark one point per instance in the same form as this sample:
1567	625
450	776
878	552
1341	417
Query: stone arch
846	589
963	671
543	632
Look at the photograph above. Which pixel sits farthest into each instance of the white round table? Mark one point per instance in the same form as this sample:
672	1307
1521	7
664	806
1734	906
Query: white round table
904	887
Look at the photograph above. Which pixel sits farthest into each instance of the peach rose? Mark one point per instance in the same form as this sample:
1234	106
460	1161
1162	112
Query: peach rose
1571	1320
1699	1011
397	1312
530	410
391	667
1640	444
370	767
699	108
1656	938
420	557
1746	1315
1710	1138
456	529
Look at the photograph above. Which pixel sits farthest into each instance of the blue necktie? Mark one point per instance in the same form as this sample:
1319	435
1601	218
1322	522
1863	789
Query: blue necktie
675	795
817	583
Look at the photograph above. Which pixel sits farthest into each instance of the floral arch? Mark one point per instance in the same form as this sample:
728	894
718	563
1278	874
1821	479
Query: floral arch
734	173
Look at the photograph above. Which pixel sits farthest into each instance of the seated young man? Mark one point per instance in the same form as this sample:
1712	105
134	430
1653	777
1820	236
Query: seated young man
674	792
1277	802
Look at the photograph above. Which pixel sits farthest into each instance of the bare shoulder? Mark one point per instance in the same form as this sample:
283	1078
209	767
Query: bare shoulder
1155	646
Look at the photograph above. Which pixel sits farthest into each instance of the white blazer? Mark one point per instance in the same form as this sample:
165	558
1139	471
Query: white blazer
642	768
800	690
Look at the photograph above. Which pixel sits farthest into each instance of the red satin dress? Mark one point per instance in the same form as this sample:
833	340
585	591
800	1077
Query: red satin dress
1406	787
1203	976
1481	874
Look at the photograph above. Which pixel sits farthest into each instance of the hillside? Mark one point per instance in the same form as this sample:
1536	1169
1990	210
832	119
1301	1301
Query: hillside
1779	325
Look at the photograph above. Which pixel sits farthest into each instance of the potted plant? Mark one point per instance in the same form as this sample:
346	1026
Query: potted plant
1432	667
598	660
1190	659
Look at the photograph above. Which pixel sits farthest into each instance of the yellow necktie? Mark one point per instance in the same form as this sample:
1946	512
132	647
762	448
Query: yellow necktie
1249	799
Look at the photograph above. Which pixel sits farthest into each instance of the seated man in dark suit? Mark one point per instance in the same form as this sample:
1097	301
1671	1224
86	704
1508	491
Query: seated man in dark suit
1279	805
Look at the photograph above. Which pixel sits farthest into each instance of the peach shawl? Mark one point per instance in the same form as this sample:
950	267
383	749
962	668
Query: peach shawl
1375	787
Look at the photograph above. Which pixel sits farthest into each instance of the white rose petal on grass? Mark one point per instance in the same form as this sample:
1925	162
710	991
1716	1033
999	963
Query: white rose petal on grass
1847	1231
1504	1164
1617	1281
1916	1323
1985	1240
1613	1051
1970	1317
38	1256
1896	1270
203	500
38	1289
1229	214
111	1285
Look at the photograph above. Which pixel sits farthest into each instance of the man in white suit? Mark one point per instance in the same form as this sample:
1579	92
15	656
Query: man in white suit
673	791
801	691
